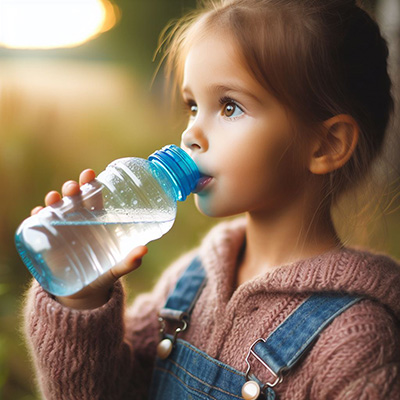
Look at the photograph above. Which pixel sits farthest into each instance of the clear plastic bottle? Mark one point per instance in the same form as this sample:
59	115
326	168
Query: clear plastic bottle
69	244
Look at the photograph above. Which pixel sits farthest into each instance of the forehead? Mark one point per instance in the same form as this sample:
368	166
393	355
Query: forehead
215	59
214	50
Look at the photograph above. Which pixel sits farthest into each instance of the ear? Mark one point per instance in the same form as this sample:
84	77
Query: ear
334	145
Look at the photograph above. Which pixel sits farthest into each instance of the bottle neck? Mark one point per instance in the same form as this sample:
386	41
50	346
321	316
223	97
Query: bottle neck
180	168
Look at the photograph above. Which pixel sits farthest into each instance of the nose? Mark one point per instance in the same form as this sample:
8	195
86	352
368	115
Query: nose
194	138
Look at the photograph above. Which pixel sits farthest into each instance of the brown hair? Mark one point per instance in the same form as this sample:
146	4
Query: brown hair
319	58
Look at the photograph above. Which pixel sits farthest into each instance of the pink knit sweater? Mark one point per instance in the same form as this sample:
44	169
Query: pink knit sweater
107	353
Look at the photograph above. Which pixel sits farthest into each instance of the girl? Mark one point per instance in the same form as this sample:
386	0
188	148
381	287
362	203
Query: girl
288	104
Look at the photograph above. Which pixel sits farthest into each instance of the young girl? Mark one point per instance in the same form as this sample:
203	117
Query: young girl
288	104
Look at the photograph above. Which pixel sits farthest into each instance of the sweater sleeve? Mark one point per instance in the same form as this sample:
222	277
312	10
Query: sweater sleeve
105	353
358	357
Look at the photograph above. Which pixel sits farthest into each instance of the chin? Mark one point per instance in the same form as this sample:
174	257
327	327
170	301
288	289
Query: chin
207	209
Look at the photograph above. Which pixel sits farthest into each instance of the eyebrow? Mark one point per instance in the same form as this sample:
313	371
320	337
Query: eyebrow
220	89
233	88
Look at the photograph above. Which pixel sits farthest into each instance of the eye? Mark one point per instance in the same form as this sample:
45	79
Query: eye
231	110
191	108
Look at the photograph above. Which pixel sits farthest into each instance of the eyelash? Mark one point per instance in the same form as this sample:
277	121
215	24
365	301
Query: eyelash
223	101
188	104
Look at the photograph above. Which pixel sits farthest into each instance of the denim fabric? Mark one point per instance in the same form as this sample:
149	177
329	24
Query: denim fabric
187	290
189	373
283	348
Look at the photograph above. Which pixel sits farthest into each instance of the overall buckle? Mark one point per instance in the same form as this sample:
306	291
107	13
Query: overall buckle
165	346
251	389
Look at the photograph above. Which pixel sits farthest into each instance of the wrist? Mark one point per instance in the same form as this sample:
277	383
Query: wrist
84	303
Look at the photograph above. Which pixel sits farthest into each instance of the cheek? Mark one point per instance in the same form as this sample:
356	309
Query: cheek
264	171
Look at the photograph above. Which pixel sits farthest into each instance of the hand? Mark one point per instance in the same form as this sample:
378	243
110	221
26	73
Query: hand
97	293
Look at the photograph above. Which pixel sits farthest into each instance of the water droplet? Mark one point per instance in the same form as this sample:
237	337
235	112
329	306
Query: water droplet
135	202
73	243
92	208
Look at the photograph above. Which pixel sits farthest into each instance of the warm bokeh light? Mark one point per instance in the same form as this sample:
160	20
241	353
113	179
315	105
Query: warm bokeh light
49	24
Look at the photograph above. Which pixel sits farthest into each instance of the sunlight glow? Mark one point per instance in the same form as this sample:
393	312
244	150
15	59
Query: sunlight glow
49	24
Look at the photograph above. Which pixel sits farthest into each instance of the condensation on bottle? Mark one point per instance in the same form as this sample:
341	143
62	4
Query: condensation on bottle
69	244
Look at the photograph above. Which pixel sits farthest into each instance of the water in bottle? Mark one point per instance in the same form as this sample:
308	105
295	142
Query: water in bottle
68	245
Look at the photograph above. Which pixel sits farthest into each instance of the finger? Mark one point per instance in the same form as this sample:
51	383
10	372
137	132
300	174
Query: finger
52	197
36	210
86	176
70	188
95	200
131	262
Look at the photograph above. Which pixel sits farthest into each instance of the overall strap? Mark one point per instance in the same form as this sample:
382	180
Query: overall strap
282	349
179	305
289	341
183	297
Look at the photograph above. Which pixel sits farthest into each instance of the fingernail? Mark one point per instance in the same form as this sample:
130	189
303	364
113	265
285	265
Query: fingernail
69	185
36	210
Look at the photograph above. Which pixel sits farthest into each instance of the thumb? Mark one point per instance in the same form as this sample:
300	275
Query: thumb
131	262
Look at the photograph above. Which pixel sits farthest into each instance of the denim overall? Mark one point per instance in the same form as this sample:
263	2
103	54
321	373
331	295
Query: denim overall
188	373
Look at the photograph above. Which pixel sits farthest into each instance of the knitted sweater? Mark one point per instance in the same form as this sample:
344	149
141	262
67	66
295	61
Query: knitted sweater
108	353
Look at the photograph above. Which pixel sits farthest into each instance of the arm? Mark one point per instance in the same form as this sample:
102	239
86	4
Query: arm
85	346
383	383
76	354
105	353
358	356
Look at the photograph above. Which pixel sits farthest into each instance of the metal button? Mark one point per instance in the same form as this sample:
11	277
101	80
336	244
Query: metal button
251	390
164	348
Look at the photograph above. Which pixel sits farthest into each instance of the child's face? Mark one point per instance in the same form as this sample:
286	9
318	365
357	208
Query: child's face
238	134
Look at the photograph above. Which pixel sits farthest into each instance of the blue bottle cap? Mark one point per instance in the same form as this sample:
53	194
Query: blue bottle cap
180	167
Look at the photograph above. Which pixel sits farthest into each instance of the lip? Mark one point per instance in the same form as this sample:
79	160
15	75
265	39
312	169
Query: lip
202	183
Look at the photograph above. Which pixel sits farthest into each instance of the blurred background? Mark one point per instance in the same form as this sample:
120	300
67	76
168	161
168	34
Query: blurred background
76	92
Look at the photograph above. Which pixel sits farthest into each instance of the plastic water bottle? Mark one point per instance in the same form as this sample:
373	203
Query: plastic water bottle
69	244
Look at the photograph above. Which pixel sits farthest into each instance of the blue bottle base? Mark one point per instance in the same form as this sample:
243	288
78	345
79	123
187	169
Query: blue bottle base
41	272
64	257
